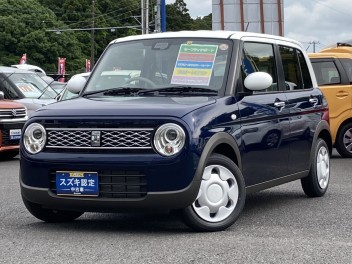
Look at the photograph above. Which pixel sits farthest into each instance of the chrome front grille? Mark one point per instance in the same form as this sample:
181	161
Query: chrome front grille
105	138
67	138
126	139
16	113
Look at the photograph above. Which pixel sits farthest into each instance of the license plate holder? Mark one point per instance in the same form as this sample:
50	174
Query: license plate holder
77	183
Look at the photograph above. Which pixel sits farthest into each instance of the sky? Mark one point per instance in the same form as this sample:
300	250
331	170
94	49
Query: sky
324	21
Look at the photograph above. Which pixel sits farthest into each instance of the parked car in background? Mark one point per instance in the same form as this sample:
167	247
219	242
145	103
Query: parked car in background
12	118
205	118
56	85
26	87
333	70
66	94
29	67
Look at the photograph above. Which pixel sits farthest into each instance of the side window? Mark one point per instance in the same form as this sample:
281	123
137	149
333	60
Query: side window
347	64
296	71
259	57
307	80
5	87
326	72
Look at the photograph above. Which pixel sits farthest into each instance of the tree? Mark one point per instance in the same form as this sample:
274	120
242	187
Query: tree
24	26
177	16
203	23
23	30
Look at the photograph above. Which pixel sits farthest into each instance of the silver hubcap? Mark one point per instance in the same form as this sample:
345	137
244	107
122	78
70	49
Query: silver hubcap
347	140
323	167
218	194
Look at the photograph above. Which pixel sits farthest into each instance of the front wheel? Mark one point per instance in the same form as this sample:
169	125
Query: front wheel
344	141
50	215
316	184
220	199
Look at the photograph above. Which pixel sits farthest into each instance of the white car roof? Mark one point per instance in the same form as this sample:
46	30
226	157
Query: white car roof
4	69
29	67
219	34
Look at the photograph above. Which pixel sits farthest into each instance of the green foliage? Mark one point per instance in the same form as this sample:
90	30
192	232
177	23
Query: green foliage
24	26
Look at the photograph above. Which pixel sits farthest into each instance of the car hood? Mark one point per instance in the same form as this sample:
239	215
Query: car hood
126	106
7	104
32	103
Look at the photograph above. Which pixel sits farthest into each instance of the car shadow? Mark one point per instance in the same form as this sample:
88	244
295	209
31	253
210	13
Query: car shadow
119	222
265	202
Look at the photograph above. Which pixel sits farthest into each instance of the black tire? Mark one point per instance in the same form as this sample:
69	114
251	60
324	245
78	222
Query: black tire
8	155
49	215
317	182
195	221
339	143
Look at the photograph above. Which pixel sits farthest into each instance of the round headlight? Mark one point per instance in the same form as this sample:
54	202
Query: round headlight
34	138
169	139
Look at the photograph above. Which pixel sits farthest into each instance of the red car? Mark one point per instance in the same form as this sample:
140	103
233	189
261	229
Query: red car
12	118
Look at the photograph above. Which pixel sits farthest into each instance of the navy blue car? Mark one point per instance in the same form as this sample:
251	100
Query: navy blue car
186	121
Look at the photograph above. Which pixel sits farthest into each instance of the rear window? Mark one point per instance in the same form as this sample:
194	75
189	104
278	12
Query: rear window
347	64
296	71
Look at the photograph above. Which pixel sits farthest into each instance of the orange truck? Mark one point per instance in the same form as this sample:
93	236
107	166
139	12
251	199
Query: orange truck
13	115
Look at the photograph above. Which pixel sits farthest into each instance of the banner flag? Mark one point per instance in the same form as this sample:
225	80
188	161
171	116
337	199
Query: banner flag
87	65
23	59
61	68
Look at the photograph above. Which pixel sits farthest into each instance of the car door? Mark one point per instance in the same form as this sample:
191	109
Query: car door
263	117
305	106
336	86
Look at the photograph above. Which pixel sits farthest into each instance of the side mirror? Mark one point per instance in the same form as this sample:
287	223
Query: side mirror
257	81
76	84
2	96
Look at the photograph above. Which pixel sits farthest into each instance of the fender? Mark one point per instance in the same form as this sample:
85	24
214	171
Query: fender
213	142
323	125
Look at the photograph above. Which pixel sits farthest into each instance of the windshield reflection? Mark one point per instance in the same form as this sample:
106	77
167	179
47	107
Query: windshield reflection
32	86
163	63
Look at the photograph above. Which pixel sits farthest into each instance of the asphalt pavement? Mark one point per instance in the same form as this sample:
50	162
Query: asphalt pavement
279	225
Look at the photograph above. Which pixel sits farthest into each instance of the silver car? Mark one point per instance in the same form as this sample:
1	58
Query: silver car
26	87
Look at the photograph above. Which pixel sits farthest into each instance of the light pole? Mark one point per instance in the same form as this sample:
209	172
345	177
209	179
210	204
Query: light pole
92	38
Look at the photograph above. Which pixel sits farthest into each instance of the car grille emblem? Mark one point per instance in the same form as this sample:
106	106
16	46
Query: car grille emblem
14	112
95	139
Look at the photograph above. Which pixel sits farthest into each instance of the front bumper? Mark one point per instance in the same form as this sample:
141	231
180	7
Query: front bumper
171	183
9	148
153	200
6	143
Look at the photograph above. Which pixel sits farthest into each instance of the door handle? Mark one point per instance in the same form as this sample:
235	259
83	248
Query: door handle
341	94
279	104
313	101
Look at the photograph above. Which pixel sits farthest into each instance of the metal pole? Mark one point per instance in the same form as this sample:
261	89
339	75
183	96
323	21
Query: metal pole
158	18
142	17
92	38
222	19
163	16
146	17
279	6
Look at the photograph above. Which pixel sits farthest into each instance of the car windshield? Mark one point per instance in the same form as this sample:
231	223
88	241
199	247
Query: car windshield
175	63
32	86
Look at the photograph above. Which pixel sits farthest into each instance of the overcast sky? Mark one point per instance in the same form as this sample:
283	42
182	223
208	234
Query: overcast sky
324	21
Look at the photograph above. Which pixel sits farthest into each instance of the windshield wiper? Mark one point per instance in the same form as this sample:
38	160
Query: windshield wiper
44	91
179	90
117	91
